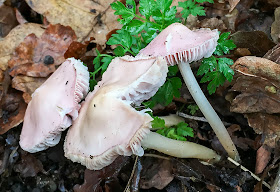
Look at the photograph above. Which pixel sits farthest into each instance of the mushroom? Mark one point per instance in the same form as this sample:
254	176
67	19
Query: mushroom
108	126
181	46
53	106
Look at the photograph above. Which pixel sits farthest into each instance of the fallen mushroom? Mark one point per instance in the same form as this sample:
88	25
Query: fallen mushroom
108	126
53	106
181	46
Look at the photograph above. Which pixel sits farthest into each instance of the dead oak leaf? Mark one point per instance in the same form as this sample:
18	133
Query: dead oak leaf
38	57
13	39
275	27
80	15
274	54
232	4
27	85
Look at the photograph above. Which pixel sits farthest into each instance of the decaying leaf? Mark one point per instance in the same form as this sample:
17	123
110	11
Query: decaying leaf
256	41
274	54
7	20
13	110
29	165
83	16
27	84
275	27
13	39
156	173
38	57
262	159
93	179
259	95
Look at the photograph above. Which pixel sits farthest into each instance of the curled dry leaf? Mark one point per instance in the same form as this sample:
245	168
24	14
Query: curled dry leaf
259	97
13	110
86	16
27	85
275	27
13	39
274	54
7	20
38	57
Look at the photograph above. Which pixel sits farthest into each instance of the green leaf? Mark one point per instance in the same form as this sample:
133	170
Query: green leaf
164	4
223	66
158	122
135	27
106	61
147	7
130	4
216	79
207	64
193	109
203	1
224	46
183	129
119	51
172	71
126	13
122	37
198	10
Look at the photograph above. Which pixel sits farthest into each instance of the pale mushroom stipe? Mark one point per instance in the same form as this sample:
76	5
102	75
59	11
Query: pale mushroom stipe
108	126
179	45
53	106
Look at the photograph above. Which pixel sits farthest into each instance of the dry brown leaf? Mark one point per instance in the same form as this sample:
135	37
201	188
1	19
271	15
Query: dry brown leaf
274	54
258	95
13	39
13	110
232	4
275	27
7	20
39	57
257	42
213	23
85	15
27	84
262	159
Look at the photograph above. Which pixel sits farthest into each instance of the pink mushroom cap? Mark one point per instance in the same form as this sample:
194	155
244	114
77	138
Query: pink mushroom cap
178	43
108	126
53	106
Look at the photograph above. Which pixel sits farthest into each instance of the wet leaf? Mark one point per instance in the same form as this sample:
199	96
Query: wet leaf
38	57
7	20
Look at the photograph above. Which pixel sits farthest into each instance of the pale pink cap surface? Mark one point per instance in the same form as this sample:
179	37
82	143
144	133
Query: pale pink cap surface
178	43
53	106
107	125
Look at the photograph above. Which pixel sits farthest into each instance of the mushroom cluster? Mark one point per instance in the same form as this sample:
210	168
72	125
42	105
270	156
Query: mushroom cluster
108	125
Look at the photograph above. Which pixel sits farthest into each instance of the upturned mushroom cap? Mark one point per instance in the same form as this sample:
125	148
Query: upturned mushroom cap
107	125
53	106
178	43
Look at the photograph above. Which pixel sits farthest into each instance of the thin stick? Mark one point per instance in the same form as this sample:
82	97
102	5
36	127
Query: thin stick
186	116
247	170
131	175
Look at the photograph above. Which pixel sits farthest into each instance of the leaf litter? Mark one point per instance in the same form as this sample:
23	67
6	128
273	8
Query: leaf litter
254	101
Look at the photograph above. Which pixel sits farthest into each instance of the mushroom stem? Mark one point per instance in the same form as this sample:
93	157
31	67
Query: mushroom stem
208	110
175	148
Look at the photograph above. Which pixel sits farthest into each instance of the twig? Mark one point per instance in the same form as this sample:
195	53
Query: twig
191	117
247	170
156	156
276	185
131	175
